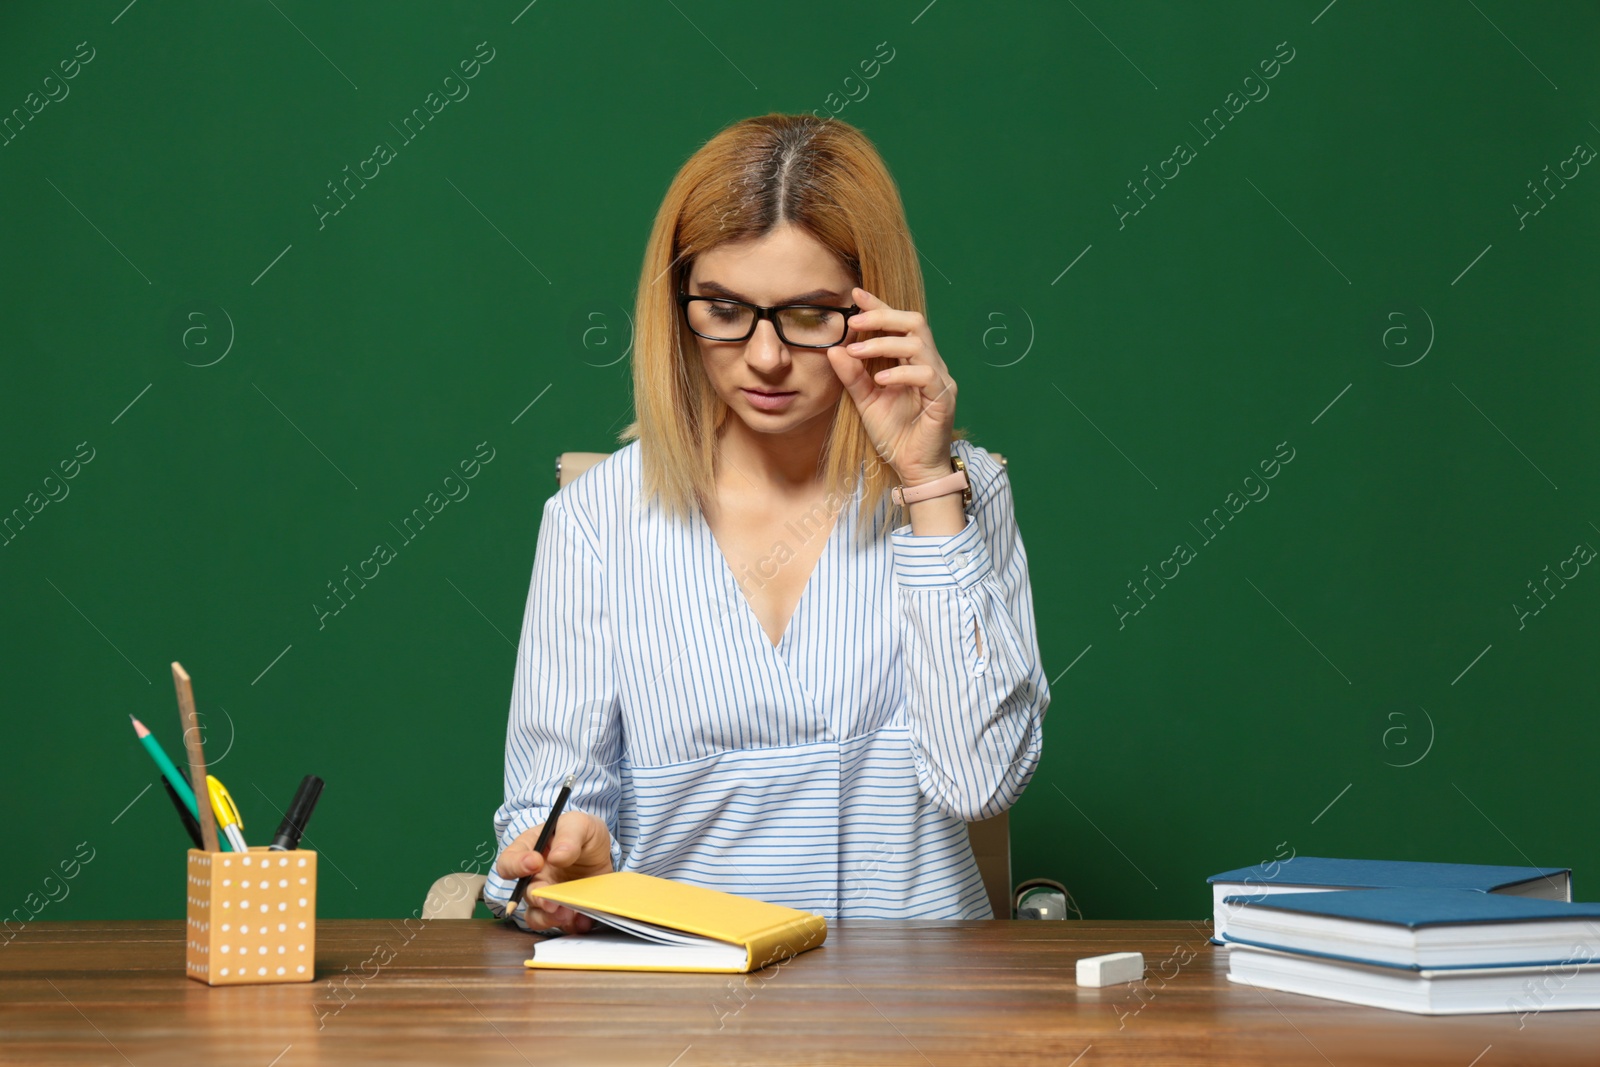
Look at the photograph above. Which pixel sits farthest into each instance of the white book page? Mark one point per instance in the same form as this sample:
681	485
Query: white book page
661	935
1221	912
603	947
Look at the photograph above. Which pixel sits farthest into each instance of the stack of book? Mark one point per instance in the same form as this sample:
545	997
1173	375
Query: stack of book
1429	938
1305	874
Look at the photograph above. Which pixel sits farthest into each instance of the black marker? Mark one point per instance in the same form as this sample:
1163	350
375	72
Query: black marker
287	839
542	846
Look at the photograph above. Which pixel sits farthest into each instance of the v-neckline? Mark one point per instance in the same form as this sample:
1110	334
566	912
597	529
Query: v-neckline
749	610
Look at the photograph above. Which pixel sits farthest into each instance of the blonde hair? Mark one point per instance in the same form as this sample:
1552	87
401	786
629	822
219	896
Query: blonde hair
821	175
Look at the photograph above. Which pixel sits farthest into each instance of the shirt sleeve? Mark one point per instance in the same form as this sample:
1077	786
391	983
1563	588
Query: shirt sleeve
977	689
565	715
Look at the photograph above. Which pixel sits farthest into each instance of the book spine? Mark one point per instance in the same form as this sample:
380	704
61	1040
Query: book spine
787	939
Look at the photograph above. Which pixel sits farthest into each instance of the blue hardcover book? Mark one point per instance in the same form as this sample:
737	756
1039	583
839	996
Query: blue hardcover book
1420	929
1299	874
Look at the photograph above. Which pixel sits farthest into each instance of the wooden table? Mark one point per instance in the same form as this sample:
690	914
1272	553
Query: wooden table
916	993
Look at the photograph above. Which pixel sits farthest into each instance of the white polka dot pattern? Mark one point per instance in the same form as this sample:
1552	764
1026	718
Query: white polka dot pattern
229	886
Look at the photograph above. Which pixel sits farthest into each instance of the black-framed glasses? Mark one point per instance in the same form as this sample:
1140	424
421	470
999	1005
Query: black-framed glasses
719	318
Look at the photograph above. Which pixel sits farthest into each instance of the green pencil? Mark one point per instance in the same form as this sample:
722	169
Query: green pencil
180	784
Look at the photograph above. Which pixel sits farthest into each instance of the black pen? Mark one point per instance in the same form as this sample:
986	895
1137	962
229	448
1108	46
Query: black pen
287	839
189	822
542	846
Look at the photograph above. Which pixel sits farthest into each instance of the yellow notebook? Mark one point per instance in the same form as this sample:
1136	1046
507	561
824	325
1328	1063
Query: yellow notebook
655	924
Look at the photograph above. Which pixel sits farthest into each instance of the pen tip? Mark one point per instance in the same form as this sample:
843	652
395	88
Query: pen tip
139	727
570	779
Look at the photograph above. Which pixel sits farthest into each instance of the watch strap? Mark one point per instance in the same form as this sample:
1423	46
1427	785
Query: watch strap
954	482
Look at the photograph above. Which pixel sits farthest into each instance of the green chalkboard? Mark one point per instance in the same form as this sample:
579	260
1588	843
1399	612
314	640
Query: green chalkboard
1282	313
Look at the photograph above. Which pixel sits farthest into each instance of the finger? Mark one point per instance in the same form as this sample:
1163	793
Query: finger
919	375
571	838
850	371
867	301
877	315
531	901
582	924
519	860
889	347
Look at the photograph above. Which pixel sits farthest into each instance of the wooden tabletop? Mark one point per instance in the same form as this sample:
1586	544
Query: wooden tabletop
915	993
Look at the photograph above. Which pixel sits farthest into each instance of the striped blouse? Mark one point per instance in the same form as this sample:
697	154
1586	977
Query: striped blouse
833	772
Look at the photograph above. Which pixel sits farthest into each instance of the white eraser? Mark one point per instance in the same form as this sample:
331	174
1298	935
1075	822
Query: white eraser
1111	969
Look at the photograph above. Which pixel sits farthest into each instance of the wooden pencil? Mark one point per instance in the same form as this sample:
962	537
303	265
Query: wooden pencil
195	747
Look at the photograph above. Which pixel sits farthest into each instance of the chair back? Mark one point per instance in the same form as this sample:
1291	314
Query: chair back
454	896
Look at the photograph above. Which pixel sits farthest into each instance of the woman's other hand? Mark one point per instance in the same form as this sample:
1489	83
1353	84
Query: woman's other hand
581	848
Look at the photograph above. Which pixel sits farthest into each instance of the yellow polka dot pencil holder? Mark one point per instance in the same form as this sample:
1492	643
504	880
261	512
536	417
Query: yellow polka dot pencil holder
252	916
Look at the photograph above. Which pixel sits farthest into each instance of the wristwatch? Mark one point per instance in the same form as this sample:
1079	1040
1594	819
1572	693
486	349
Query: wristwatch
957	480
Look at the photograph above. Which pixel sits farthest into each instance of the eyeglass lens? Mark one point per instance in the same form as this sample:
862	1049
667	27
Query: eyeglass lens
716	320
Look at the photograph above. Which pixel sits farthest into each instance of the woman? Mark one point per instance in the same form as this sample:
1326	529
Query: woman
761	683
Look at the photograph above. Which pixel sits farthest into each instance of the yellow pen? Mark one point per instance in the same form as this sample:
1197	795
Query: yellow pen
228	818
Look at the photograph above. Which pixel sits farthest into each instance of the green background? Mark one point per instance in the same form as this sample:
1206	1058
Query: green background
1340	672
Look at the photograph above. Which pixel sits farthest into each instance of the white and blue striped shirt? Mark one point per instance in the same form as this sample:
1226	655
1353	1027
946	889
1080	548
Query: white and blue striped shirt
833	772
